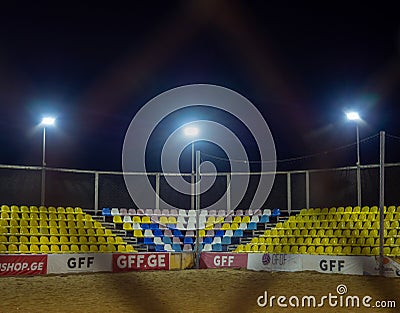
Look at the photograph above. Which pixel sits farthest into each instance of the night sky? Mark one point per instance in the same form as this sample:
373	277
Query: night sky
93	66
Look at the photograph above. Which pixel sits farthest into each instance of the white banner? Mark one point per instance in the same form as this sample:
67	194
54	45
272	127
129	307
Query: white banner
75	263
391	266
274	262
335	264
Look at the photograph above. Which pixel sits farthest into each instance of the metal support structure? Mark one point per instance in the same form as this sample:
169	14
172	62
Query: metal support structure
228	192
96	192
192	201
197	209
307	190
358	168
43	180
158	191
289	194
381	198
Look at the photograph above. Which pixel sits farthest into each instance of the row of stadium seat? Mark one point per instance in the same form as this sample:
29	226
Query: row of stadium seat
12	248
328	250
118	219
188	213
61	239
225	226
357	224
187	240
343	217
148	233
45	216
41	209
349	209
50	223
329	232
53	231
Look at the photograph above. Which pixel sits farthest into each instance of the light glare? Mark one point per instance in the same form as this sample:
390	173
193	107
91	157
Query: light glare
48	121
191	131
353	116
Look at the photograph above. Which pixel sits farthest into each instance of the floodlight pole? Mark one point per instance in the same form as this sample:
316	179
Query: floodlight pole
192	202
358	167
43	181
198	209
381	199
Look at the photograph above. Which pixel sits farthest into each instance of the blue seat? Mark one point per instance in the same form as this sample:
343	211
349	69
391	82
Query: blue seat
144	226
264	219
177	233
226	240
238	233
276	212
219	233
207	240
171	226
148	241
217	247
157	232
106	212
153	226
160	248
188	240
177	247
252	226
167	240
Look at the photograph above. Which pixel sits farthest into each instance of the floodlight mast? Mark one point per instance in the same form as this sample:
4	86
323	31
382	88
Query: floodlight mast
355	117
46	121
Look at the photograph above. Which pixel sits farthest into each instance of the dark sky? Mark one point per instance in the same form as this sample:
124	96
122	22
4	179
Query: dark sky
93	66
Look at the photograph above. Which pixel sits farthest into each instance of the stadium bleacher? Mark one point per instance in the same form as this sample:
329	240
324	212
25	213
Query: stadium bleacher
43	229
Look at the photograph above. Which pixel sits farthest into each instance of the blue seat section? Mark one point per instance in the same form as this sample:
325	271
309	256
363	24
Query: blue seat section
106	212
148	241
177	247
264	219
238	233
276	212
158	233
207	240
219	233
226	240
252	226
154	226
160	248
217	247
188	240
167	240
177	233
144	226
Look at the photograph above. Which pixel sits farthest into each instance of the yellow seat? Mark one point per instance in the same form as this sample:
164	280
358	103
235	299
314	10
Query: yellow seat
246	219
346	250
202	233
147	220
23	248
44	249
226	226
69	210
366	251
34	248
84	248
65	249
138	233
302	250
111	240
286	249
239	248
278	249
91	239
55	249
91	232
254	248
320	250
64	240
171	220
237	219
117	219
12	248
356	251
100	231
54	240
163	220
130	248
294	249
375	251
60	209
74	248
44	240
94	248
102	240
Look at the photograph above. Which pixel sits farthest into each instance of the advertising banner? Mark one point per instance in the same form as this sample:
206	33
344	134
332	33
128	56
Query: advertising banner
391	266
126	262
335	264
274	262
223	260
76	263
12	265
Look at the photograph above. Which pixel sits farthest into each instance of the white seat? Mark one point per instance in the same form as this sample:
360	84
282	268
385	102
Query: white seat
148	212
255	219
202	219
229	233
243	226
181	219
136	226
180	226
158	241
168	248
114	211
182	213
148	233
221	213
165	212
191	213
216	240
207	247
127	219
267	212
191	226
203	213
212	213
192	219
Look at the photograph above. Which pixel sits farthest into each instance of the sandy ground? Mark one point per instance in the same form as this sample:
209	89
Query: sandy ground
220	290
